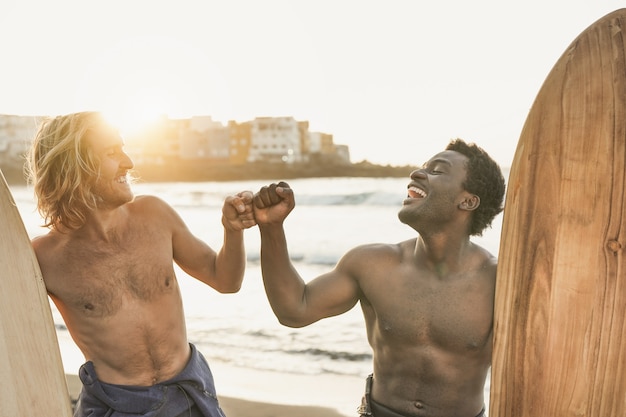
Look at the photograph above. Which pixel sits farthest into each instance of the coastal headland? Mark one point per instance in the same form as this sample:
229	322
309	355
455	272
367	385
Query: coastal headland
197	171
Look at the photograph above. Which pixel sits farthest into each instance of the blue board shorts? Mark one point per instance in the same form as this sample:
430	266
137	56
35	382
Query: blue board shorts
191	392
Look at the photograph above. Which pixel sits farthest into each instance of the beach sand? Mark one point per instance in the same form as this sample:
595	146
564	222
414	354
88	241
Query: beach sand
241	408
238	407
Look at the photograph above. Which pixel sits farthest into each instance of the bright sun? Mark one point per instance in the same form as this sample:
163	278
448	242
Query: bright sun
140	108
144	78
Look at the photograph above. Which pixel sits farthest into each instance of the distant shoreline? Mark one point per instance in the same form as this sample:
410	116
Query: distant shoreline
193	171
196	171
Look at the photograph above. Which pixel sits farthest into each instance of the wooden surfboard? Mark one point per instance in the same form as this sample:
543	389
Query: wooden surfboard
560	307
32	379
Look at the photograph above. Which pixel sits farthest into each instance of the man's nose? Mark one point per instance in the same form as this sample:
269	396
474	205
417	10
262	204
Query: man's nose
128	162
418	173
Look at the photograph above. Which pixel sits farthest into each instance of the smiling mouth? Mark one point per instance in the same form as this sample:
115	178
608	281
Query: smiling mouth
414	192
122	179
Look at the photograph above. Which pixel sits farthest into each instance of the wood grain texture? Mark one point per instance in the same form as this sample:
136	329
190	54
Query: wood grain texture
560	313
32	380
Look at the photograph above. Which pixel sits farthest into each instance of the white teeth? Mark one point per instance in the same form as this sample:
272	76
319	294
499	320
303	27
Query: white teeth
418	191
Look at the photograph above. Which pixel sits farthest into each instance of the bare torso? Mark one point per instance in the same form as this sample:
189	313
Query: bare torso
431	331
119	298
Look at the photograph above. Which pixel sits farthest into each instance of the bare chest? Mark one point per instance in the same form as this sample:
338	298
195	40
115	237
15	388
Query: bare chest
100	280
455	315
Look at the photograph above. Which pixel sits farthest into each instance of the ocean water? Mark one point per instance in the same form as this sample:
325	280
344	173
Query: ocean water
331	216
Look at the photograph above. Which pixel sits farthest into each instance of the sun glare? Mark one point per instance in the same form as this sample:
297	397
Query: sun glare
139	109
142	79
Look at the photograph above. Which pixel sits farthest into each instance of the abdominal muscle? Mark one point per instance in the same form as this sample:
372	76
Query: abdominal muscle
141	344
436	383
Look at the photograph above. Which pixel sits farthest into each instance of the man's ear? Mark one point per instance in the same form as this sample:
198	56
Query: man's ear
470	203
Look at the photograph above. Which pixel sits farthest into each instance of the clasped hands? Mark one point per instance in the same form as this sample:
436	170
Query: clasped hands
270	205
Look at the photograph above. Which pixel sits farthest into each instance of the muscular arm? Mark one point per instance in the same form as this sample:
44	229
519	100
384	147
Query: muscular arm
295	302
224	270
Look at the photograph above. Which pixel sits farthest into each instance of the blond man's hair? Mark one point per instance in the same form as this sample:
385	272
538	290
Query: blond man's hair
63	169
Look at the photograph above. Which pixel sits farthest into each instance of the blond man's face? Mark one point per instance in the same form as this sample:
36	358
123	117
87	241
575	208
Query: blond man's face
112	186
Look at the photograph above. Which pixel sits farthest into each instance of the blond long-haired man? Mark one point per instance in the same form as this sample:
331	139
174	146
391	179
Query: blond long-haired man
108	265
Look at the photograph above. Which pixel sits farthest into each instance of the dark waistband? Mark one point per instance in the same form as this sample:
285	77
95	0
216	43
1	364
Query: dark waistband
379	410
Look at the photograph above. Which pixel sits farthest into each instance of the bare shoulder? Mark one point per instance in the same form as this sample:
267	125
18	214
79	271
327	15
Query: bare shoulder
40	240
375	249
154	211
49	248
146	201
486	261
152	206
376	254
44	244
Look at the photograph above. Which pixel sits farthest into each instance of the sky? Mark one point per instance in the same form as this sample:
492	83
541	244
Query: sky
395	80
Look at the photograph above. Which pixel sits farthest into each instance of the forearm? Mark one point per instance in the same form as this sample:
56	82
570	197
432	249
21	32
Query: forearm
284	287
230	263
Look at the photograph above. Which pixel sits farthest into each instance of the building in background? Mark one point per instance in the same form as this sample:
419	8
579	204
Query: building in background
240	139
16	135
323	150
274	140
205	139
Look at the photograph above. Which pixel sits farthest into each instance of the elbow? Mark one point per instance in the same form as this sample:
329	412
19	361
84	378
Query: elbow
291	321
228	282
288	323
229	291
228	288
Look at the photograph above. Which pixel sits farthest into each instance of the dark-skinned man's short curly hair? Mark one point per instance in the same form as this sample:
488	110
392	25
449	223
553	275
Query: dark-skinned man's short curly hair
485	179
